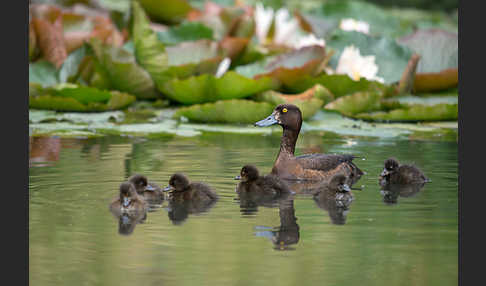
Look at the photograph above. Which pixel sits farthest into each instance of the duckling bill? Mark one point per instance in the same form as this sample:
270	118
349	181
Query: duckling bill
309	166
148	190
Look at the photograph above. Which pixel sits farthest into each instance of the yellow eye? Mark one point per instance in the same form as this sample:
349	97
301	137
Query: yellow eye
284	110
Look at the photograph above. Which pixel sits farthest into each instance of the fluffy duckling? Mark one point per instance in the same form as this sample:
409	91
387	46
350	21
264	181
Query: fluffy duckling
252	182
395	173
128	200
181	189
152	193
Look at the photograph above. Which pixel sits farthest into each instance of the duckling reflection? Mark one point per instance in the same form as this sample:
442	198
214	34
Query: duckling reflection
188	198
129	208
335	198
391	192
151	192
255	190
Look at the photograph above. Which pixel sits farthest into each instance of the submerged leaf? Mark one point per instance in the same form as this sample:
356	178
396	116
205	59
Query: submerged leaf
226	111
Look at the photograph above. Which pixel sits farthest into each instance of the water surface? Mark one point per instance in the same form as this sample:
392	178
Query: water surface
75	240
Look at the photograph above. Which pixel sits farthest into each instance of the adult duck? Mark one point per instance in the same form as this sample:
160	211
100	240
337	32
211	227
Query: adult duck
309	166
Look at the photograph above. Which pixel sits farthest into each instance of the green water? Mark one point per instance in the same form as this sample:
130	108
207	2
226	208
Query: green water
74	239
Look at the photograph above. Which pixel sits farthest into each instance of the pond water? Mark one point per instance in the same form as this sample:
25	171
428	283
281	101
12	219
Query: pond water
75	240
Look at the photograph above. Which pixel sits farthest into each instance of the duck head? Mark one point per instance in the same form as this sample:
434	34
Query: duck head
248	173
127	194
141	183
178	182
338	182
391	165
286	115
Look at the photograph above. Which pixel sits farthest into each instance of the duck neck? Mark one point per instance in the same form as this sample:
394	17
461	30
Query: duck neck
288	140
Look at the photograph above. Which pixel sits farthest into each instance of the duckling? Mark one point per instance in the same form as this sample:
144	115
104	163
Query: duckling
183	190
401	174
128	200
316	167
152	193
252	182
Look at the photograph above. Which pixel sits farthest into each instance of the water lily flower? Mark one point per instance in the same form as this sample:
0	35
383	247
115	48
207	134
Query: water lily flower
286	27
263	21
350	24
309	40
356	66
223	67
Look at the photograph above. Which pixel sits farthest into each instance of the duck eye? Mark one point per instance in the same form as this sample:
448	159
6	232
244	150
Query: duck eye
284	110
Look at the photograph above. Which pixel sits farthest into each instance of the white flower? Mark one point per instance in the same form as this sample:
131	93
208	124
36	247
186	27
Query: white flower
356	66
263	21
223	67
286	28
350	24
309	40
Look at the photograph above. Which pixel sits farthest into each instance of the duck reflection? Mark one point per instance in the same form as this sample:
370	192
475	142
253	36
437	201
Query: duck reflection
288	232
391	192
334	197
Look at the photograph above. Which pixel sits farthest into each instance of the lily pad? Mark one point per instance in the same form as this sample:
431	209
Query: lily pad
414	113
167	11
356	103
309	102
122	70
226	111
187	31
70	97
438	66
208	88
390	57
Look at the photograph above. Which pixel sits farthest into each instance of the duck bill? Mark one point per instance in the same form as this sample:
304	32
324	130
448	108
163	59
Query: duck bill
270	120
238	178
168	189
149	188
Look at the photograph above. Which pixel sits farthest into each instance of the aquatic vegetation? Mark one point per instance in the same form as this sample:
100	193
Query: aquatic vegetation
350	57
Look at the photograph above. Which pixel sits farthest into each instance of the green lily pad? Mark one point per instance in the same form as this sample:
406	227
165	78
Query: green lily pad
226	111
356	103
70	97
208	88
414	113
390	57
338	85
43	72
122	70
309	102
167	11
70	66
187	31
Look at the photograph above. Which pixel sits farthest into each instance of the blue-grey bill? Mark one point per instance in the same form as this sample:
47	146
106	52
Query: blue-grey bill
149	188
238	178
270	120
168	188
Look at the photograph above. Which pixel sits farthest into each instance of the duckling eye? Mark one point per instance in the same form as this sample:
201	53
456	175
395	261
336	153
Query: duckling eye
284	110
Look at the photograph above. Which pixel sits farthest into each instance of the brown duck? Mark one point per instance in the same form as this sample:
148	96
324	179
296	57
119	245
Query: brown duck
152	193
309	166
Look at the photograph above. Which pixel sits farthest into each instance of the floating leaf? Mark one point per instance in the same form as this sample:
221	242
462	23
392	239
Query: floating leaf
390	57
226	111
69	97
168	11
43	72
208	88
309	101
356	103
187	31
413	113
50	38
437	68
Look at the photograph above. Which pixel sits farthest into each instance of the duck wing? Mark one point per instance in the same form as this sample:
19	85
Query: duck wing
325	162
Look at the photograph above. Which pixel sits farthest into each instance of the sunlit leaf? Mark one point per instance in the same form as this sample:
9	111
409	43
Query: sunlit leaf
226	111
168	11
